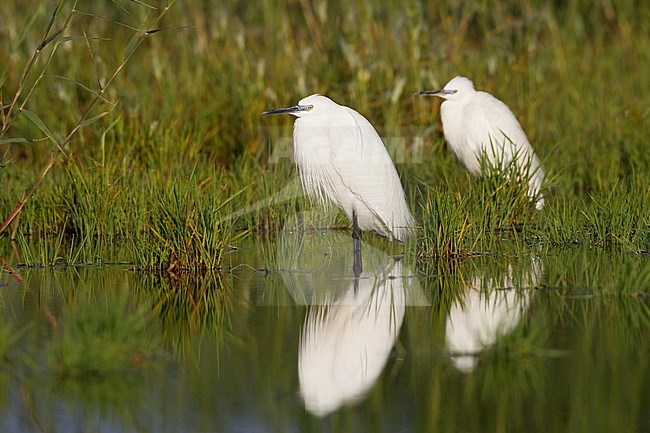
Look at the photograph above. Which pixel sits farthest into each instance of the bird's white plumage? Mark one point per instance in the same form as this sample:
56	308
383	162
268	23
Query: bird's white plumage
345	344
341	159
476	123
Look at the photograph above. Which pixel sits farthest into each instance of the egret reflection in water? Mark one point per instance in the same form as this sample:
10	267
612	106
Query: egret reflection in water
345	345
352	321
489	307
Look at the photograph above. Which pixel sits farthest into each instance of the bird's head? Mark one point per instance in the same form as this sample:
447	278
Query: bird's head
455	89
307	106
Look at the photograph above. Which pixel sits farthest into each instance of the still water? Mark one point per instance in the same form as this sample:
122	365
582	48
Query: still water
545	341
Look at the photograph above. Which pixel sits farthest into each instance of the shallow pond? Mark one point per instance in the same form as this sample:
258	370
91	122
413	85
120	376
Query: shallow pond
549	340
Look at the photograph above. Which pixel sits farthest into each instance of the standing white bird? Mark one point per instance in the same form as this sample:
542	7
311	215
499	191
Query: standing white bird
342	160
477	125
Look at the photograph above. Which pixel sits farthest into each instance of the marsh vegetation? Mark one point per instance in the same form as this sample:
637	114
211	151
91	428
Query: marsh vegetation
163	262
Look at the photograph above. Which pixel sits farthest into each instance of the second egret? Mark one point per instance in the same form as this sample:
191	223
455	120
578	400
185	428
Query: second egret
478	125
341	159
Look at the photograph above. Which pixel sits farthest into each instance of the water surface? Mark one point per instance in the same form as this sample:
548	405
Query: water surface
292	340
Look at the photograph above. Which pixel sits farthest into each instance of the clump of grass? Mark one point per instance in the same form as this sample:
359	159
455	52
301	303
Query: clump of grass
46	253
618	217
610	218
101	337
455	226
446	232
188	230
89	205
502	197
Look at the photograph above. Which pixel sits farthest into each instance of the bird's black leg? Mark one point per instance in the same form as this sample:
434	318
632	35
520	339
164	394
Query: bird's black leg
357	267
356	231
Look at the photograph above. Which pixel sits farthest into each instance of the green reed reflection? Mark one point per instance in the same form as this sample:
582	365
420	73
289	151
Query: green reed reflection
188	307
102	335
553	340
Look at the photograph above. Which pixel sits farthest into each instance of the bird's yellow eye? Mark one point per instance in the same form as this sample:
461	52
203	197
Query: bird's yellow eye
309	107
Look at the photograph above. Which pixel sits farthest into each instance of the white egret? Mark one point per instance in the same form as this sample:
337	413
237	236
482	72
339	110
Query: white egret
342	160
477	125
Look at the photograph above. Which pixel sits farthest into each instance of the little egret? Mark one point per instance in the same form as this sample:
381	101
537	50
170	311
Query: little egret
478	125
342	160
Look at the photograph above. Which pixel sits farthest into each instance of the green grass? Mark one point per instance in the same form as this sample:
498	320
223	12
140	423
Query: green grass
179	146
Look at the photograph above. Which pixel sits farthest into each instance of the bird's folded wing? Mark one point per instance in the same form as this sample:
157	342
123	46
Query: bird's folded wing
363	163
493	129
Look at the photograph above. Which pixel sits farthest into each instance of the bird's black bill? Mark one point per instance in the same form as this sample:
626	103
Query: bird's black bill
436	92
292	109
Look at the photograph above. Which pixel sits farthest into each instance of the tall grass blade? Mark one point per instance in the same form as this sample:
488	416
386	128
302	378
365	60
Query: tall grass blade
41	125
